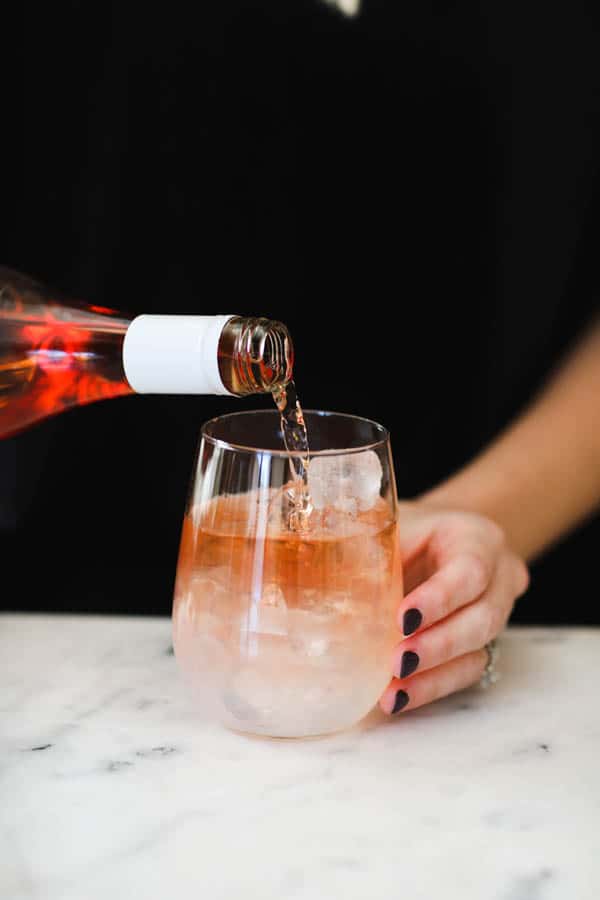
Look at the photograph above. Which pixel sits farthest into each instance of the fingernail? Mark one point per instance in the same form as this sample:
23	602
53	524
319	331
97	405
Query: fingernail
400	701
410	661
412	620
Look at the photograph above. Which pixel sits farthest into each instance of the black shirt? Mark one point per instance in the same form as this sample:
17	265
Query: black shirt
411	190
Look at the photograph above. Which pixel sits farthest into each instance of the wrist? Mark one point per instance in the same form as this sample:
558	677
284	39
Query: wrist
492	497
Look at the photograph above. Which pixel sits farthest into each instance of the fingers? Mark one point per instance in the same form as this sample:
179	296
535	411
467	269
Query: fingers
433	684
466	630
460	581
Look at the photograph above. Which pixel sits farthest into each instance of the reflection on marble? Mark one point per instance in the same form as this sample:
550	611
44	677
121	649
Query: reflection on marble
112	785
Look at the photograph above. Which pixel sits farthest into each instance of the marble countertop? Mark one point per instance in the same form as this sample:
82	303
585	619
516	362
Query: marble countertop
111	785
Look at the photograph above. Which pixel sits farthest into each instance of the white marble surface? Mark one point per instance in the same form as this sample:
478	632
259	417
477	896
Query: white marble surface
112	786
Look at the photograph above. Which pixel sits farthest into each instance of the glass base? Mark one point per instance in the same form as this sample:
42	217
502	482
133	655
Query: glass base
264	736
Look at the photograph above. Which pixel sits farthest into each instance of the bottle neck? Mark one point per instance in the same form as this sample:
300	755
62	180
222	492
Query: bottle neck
174	354
256	355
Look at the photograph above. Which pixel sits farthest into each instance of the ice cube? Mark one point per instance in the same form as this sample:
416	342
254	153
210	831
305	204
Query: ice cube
268	614
310	633
349	483
320	621
209	589
255	691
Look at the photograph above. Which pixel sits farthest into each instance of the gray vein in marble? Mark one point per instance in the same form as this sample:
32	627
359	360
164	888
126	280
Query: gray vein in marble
530	887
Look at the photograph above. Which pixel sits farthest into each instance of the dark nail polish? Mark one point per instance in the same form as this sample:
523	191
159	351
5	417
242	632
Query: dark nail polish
410	661
400	701
412	620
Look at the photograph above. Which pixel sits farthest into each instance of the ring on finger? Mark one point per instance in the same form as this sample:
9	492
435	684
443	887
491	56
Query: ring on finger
490	674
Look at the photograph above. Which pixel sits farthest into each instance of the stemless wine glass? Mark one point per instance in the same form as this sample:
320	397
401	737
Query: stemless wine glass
279	632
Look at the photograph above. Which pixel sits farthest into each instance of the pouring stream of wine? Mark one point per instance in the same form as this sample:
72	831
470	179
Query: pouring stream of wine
296	441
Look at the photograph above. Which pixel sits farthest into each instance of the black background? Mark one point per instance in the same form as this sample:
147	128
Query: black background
412	191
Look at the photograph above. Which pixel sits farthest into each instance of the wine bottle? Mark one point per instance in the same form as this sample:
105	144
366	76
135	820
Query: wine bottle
57	353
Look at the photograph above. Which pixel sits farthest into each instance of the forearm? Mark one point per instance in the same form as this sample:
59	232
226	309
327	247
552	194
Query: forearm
541	477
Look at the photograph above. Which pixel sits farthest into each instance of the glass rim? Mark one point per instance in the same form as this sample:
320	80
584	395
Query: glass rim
337	451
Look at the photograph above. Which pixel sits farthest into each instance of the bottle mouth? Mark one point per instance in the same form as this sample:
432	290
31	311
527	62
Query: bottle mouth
272	352
262	354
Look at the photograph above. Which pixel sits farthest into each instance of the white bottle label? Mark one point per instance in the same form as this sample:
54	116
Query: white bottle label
174	354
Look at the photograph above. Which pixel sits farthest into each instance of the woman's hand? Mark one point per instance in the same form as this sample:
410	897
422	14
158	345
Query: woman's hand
461	582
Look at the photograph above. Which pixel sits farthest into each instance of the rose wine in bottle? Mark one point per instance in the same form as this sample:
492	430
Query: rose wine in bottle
57	353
